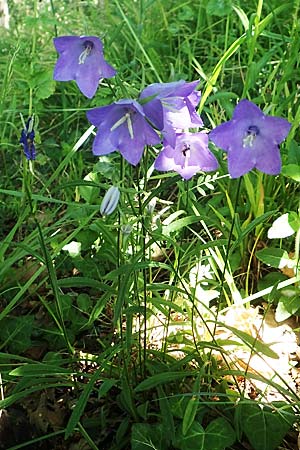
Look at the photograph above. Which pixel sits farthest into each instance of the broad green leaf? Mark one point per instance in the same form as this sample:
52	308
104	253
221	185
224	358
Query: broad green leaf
35	370
84	302
294	220
219	434
288	304
65	305
264	429
43	84
179	224
274	257
294	153
82	282
219	7
161	378
146	437
168	426
81	403
253	343
242	15
193	440
15	333
270	280
15	398
86	238
291	171
106	386
190	413
191	408
89	193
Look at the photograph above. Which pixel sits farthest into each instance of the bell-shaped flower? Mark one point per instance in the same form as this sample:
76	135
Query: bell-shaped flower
110	201
27	139
171	107
122	126
189	156
251	139
81	59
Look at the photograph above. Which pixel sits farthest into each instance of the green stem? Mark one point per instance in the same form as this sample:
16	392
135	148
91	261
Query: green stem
253	33
33	50
144	248
297	253
51	273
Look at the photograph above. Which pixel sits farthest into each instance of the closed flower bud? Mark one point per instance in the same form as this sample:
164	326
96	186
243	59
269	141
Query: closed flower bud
110	201
151	206
126	229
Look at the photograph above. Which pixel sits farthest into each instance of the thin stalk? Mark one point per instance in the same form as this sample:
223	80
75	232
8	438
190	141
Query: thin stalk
144	249
54	15
33	49
176	276
229	240
253	33
125	18
51	272
297	255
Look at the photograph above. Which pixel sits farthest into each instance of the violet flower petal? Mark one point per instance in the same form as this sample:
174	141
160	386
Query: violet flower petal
122	126
251	139
171	107
27	140
189	156
81	59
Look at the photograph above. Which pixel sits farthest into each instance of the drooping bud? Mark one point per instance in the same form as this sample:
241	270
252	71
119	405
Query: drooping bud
151	205
110	201
126	229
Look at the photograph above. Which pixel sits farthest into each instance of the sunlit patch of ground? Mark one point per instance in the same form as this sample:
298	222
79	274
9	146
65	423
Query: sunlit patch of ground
265	377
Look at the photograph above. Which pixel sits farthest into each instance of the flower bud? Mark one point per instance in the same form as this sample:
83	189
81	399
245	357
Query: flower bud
126	229
110	201
151	205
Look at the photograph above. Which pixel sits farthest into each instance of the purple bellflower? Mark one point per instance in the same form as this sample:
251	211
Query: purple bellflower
27	140
251	139
122	126
81	59
190	155
171	107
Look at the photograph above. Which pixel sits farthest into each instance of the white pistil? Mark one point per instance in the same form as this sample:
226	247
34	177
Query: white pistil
248	140
250	136
86	52
125	118
129	124
119	122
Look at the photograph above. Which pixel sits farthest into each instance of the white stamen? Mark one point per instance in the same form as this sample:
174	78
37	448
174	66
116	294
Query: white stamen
119	122
125	118
250	136
248	140
86	52
129	124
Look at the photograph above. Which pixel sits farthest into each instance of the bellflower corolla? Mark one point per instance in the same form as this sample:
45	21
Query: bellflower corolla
190	155
27	140
110	201
122	126
81	59
171	107
251	139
